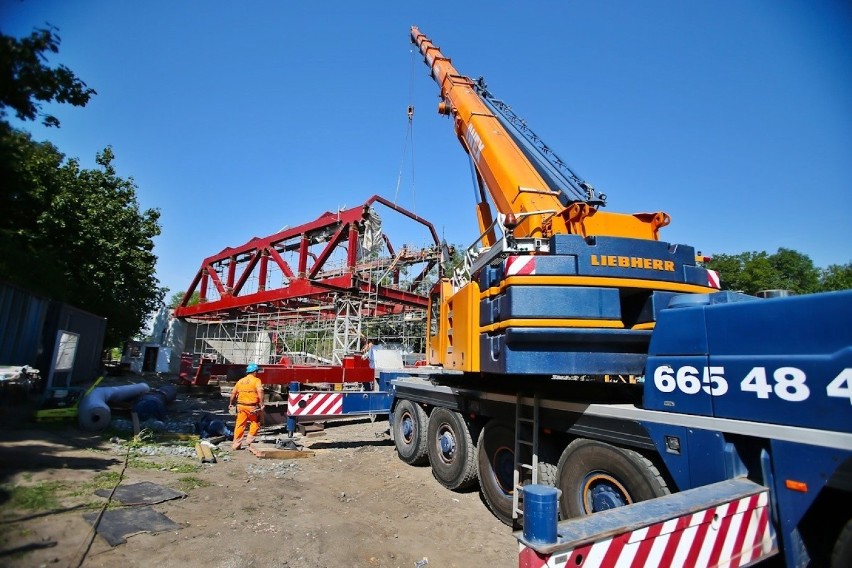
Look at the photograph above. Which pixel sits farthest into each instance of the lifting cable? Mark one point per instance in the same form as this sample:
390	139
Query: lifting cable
409	136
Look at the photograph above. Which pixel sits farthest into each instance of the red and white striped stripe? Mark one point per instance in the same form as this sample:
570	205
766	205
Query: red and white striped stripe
314	404
520	266
730	535
713	279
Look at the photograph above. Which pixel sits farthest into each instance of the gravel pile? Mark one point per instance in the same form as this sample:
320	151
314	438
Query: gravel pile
273	469
165	450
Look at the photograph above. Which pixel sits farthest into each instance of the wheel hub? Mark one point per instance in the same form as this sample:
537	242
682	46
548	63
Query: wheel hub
503	465
407	428
602	491
447	445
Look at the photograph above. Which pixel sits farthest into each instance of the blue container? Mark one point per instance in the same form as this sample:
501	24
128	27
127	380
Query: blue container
540	513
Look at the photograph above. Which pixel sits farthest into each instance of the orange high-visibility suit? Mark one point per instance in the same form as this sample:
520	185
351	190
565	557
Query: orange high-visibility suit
248	396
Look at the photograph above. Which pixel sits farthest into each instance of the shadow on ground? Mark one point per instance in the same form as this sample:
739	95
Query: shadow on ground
353	444
30	446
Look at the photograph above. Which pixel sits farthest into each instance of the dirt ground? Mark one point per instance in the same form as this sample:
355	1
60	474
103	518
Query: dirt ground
354	503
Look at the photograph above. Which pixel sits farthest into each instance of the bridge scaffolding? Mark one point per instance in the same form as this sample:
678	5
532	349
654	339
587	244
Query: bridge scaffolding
313	294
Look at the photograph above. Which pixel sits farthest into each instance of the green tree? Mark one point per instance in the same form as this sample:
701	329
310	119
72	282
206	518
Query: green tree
26	81
746	272
176	298
77	235
751	272
836	277
69	233
796	271
452	258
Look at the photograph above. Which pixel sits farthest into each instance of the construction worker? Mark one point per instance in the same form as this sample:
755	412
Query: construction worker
367	352
248	396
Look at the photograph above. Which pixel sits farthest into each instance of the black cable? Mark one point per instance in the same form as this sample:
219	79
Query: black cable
94	531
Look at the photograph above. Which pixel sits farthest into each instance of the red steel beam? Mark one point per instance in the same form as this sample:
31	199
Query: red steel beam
334	230
353	370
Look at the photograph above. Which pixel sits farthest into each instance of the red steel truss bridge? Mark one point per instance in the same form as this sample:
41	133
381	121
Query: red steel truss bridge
311	266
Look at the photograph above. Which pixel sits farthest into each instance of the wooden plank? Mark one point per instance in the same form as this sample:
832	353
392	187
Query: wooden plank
204	453
271	452
208	453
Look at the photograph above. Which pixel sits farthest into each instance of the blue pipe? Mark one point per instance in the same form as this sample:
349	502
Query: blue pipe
291	422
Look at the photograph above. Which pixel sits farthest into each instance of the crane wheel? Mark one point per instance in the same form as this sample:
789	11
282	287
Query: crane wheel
410	427
496	468
595	476
452	452
841	556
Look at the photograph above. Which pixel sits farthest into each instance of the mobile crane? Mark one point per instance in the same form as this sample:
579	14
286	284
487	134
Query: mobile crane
742	401
567	288
728	441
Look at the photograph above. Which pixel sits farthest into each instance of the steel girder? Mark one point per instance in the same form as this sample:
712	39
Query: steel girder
310	280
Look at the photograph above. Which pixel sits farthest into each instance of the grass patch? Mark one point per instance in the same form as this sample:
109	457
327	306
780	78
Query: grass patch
143	464
177	439
184	467
189	482
145	437
98	505
105	479
175	467
102	480
39	497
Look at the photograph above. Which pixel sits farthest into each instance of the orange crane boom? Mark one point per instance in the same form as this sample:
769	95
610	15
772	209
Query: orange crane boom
565	288
511	179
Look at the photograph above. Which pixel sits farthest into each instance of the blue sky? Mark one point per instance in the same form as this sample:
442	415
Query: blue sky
238	118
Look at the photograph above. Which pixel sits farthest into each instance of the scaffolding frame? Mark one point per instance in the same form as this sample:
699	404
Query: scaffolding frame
286	338
314	294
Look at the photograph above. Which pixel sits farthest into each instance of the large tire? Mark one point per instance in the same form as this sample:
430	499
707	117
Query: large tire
452	452
496	468
841	556
595	476
410	427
